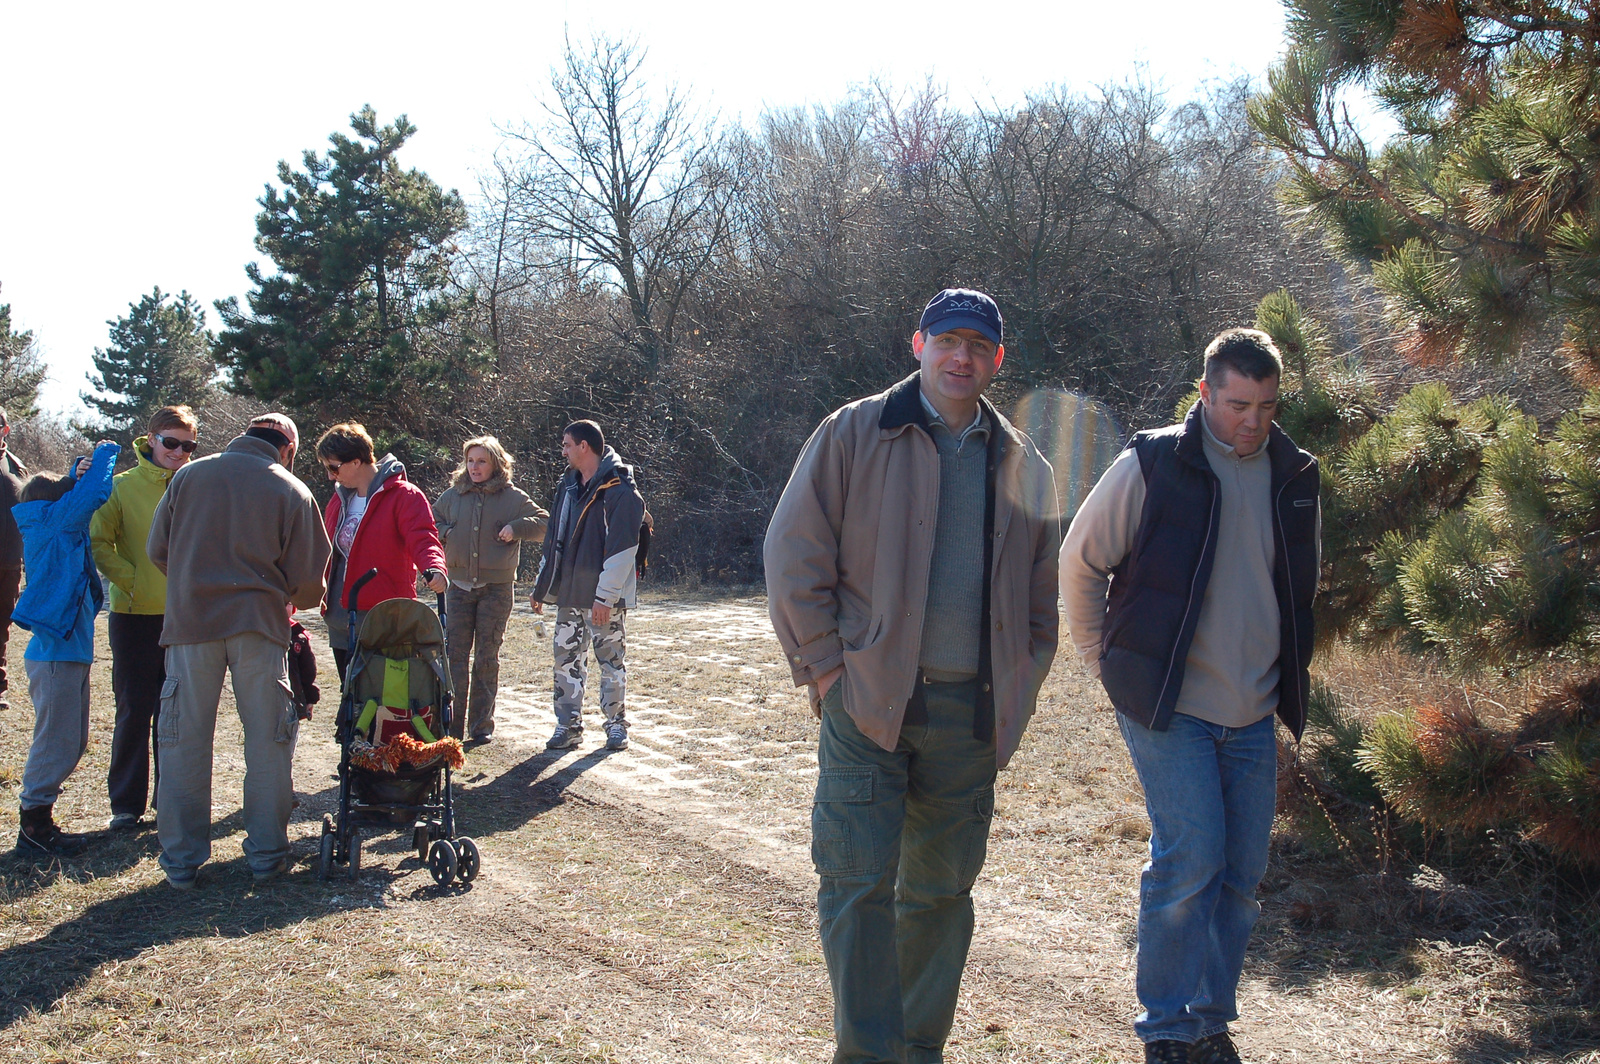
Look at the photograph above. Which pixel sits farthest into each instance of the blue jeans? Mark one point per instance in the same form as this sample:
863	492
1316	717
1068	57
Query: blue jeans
1211	794
898	837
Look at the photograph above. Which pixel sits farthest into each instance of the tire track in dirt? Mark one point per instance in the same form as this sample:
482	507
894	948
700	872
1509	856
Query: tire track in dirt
1019	992
681	1008
523	922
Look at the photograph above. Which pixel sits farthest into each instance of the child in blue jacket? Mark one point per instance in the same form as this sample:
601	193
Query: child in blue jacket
58	606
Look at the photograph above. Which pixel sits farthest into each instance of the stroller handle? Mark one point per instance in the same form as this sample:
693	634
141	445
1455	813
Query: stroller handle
355	588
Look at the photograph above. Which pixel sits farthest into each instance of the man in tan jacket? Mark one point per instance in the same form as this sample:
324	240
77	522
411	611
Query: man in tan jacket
911	576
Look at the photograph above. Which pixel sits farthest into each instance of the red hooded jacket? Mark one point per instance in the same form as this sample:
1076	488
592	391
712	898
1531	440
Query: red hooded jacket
397	537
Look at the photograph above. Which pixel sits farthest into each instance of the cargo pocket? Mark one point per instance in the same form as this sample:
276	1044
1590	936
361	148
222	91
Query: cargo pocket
288	714
167	716
843	839
976	847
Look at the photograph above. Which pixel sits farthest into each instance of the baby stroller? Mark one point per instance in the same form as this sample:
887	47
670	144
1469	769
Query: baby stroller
395	756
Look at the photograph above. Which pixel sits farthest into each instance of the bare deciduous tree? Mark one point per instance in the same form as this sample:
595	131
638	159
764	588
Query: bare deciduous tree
622	189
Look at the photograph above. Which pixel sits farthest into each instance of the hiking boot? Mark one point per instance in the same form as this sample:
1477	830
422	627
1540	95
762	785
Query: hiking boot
1166	1051
616	735
1214	1049
39	836
181	881
564	738
125	822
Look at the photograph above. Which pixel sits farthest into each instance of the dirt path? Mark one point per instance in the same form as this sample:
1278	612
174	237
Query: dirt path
657	904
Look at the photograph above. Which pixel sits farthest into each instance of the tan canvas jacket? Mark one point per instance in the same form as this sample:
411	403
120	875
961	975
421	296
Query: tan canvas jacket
849	550
469	518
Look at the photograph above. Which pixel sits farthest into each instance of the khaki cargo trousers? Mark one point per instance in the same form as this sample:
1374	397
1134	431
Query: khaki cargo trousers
186	732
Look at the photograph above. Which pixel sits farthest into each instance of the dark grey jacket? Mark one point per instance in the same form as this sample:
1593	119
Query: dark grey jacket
592	544
12	476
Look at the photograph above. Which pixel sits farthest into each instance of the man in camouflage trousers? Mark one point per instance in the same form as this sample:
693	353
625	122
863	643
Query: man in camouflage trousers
587	571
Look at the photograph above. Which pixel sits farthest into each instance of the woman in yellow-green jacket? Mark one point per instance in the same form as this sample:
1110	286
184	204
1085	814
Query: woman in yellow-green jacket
138	593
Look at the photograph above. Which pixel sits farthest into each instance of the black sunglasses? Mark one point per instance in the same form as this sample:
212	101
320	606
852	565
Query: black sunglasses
172	443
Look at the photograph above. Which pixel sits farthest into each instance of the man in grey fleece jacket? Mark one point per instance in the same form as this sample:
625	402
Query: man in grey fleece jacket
1187	577
240	539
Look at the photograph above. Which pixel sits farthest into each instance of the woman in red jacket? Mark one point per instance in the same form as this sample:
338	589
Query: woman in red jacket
377	520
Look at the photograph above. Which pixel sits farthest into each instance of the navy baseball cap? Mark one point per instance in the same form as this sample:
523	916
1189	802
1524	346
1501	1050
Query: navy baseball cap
961	308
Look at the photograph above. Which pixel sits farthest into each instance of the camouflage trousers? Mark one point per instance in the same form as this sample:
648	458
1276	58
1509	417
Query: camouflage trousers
575	631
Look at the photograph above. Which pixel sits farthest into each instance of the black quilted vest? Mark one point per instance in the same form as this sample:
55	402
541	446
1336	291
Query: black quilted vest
1157	590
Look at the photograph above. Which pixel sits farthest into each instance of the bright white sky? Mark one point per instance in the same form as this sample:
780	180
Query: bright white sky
136	138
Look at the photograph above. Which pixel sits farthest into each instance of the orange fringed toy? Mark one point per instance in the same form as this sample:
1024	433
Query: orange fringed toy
404	750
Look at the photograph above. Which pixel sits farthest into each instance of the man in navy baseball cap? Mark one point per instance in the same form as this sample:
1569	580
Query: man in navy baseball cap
911	578
958	343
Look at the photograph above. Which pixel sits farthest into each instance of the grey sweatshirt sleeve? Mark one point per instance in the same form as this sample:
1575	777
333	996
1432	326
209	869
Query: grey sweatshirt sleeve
1101	536
304	558
625	511
155	546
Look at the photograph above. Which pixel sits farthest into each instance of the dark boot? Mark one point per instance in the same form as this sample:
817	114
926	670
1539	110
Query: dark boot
1214	1049
38	836
1166	1051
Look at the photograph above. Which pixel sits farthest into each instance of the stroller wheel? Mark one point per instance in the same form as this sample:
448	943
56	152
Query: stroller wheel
420	840
467	862
442	862
325	861
355	857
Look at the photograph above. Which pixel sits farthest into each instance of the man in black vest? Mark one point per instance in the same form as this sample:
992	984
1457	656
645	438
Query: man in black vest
1188	576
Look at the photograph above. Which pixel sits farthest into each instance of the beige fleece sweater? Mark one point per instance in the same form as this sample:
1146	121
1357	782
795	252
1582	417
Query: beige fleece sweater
1231	674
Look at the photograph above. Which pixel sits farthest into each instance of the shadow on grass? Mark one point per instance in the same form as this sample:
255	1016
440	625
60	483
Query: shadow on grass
521	793
512	799
110	854
1409	931
35	975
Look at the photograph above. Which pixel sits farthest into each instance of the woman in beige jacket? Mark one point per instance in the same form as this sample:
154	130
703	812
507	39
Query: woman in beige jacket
483	519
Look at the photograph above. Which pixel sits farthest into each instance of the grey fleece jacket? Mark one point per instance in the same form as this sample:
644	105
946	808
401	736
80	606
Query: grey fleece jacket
239	538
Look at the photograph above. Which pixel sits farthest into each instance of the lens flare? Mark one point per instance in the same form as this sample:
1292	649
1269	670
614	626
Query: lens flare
1079	436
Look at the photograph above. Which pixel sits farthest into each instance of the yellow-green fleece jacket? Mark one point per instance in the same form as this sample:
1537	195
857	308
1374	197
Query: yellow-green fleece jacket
118	532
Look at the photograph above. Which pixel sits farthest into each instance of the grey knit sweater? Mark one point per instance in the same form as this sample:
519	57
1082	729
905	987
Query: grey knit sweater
952	622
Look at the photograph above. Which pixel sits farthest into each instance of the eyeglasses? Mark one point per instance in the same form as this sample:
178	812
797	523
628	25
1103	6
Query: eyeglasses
332	467
952	342
172	443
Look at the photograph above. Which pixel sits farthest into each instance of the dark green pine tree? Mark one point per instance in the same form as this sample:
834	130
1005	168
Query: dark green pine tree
160	354
21	369
361	317
1481	219
1480	222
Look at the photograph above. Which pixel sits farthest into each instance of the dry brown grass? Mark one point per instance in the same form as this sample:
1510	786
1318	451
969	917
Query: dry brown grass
658	904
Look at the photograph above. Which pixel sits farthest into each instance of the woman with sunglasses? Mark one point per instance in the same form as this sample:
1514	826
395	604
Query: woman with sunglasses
377	519
117	534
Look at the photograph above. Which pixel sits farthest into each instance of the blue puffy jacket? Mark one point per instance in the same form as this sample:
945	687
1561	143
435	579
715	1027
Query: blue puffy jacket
56	553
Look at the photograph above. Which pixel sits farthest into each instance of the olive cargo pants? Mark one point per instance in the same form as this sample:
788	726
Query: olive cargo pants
898	838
